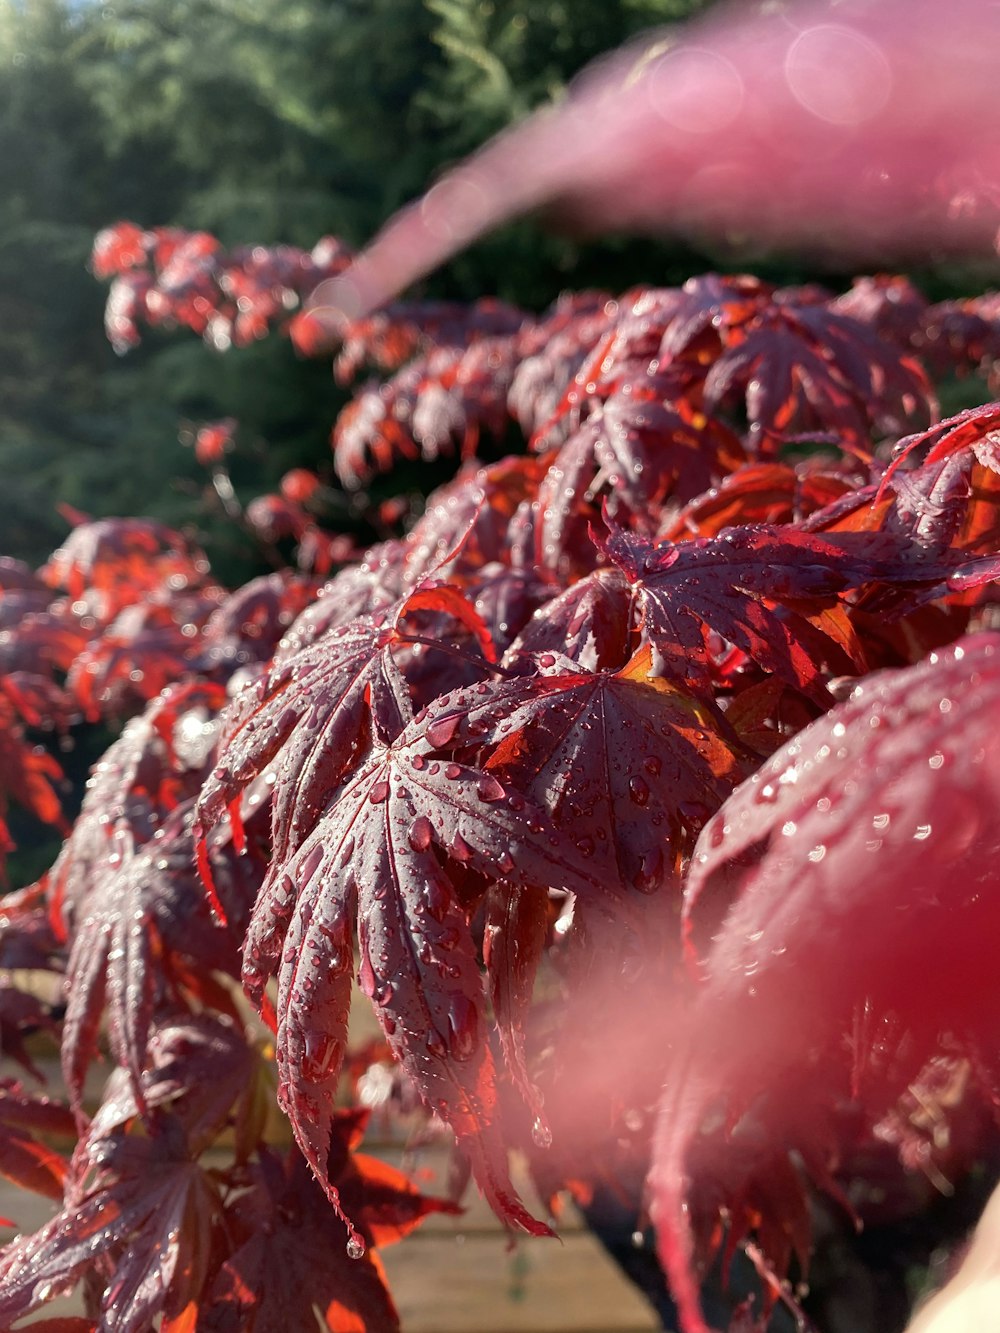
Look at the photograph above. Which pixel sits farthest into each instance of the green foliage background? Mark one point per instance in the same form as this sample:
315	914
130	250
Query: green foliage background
261	120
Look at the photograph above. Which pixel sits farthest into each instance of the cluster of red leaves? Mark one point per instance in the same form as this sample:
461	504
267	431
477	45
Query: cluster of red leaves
124	617
167	277
560	769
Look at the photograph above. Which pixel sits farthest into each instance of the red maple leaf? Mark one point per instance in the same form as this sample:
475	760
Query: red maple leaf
374	844
291	1254
769	591
143	934
24	1159
144	776
145	1221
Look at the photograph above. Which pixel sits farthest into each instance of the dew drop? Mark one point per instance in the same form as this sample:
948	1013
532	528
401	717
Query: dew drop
442	729
650	871
356	1247
460	849
366	974
436	897
420	834
541	1134
379	791
322	1056
463	1022
453	771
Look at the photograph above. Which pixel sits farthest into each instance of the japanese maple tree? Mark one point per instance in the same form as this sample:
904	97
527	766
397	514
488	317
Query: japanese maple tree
644	775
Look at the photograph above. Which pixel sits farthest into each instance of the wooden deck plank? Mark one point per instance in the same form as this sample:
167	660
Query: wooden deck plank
474	1284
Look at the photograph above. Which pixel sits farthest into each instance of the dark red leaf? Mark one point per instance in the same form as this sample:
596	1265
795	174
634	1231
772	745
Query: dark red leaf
517	923
376	847
291	1255
25	1161
760	493
648	763
28	773
142	927
198	1070
155	765
145	1219
756	587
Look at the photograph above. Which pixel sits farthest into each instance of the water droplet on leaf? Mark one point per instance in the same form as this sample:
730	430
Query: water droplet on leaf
442	729
489	789
541	1134
420	834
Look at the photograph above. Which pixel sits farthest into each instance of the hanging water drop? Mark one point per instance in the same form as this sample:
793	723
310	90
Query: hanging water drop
541	1135
463	1022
